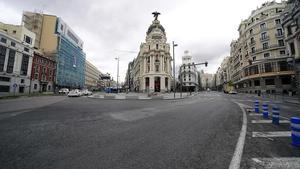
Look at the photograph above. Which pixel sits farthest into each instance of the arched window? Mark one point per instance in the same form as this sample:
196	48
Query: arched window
156	46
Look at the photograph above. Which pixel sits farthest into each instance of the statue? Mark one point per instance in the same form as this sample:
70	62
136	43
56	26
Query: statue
155	14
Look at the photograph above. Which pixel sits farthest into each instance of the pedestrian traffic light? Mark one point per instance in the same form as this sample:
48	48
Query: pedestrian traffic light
205	64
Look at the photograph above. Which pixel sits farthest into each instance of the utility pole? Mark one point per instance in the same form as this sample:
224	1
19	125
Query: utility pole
174	87
118	59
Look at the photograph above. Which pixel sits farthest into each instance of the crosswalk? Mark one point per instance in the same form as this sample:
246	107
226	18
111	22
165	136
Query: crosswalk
262	129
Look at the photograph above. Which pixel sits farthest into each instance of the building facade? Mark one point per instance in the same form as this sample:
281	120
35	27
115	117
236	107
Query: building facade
92	76
56	39
291	25
129	77
152	67
259	61
16	54
43	73
188	74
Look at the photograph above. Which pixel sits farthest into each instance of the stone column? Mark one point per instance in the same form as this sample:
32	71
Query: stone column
151	84
162	84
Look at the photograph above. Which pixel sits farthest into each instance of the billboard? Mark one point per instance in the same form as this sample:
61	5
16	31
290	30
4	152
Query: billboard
66	31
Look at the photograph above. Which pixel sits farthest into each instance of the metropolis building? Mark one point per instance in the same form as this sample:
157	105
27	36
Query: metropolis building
152	67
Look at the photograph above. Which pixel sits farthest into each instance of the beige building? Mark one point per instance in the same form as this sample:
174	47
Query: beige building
92	76
259	61
152	67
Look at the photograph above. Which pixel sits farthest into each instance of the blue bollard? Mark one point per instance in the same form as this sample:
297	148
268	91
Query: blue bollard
265	109
256	106
275	115
295	127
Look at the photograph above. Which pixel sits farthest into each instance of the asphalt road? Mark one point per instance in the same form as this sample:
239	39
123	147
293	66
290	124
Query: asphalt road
197	132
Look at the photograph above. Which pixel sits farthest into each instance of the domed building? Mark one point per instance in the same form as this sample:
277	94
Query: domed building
152	67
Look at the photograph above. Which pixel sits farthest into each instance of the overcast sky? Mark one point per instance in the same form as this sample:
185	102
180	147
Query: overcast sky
109	28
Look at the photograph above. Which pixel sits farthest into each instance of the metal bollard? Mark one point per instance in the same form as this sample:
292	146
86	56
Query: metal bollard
265	109
275	115
295	127
256	106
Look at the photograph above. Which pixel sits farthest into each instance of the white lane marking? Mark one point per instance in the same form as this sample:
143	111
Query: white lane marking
255	114
237	156
268	121
276	163
272	134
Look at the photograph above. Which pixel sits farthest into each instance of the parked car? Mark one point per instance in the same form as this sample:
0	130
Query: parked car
232	92
74	93
86	92
63	91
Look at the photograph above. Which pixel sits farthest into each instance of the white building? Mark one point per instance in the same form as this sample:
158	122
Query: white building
16	54
188	73
152	67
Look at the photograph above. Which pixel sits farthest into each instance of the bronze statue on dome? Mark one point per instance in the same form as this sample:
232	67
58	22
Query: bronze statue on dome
155	14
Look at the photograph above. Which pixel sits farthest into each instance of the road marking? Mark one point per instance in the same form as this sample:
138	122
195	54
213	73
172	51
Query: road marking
268	121
255	114
272	134
276	163
237	156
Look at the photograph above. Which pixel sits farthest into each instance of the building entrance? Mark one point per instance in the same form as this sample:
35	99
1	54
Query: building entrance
157	84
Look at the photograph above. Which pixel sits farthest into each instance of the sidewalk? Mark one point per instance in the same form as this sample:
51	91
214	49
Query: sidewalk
277	98
140	96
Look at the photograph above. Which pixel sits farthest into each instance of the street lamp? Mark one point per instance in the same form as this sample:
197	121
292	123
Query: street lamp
174	88
118	59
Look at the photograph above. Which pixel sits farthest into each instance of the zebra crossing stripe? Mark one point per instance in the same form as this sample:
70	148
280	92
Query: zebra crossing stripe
268	121
272	134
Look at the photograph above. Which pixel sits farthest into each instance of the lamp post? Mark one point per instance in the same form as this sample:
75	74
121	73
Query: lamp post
174	87
118	59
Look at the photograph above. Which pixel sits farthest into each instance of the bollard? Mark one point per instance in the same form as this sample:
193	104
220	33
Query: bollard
265	109
295	127
275	115
256	106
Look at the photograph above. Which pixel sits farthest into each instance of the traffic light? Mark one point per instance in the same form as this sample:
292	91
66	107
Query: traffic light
205	64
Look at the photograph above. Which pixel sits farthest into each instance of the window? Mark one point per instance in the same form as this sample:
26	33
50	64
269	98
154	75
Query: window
35	86
270	82
265	45
24	66
279	32
2	57
263	26
14	31
22	80
264	35
27	39
292	47
281	42
268	67
251	31
11	61
156	68
13	44
26	49
289	30
49	87
252	41
253	49
156	46
36	76
283	66
4	88
3	40
4	79
266	55
256	83
282	52
286	80
254	58
277	22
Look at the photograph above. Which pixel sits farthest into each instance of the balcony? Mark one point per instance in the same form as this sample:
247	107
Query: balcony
252	43
279	35
266	38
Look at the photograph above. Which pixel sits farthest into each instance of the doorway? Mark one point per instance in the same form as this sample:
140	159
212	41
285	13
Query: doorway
157	84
